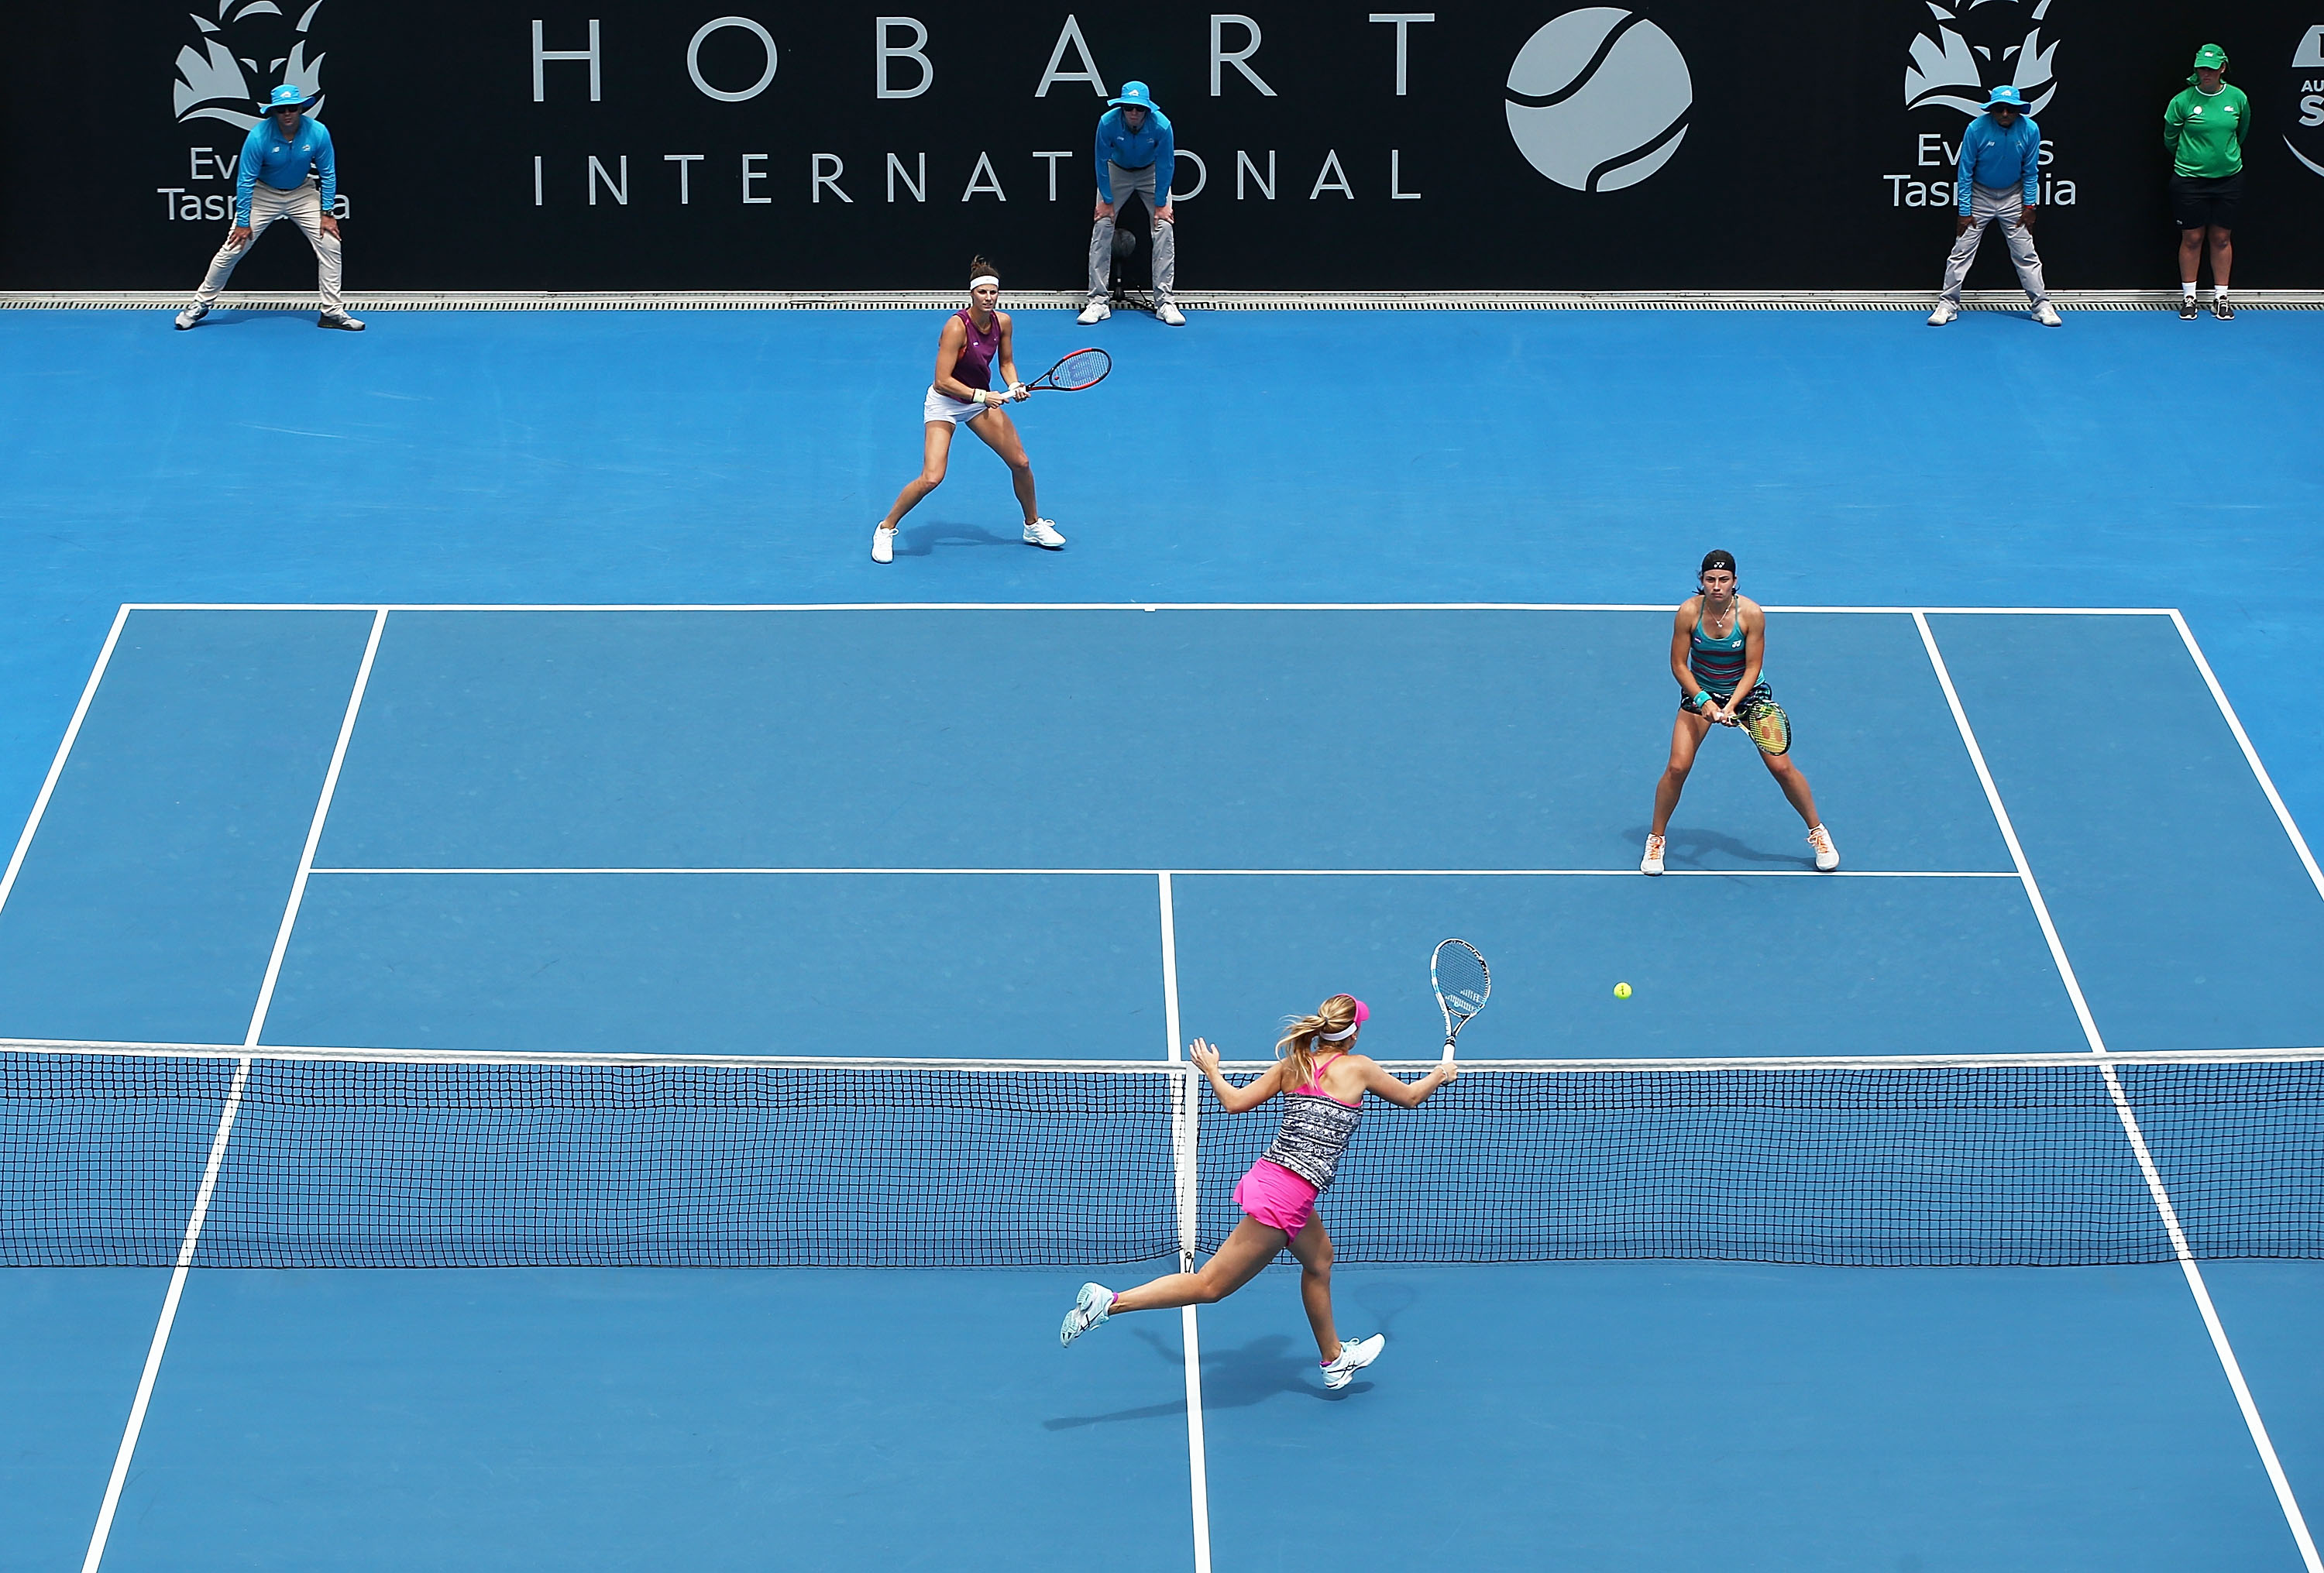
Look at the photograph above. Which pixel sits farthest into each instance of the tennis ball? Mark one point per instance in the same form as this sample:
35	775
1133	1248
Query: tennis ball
1598	99
1621	990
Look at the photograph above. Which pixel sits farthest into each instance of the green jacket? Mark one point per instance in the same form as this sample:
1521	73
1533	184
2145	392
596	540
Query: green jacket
2205	131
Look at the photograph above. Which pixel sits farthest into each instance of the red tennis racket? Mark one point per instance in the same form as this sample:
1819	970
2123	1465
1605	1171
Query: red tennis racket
1082	369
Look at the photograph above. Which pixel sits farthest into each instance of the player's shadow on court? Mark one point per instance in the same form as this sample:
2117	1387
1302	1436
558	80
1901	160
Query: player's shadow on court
1686	849
1231	1379
922	540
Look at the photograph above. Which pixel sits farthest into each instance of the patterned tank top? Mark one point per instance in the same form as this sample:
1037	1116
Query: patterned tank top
974	367
1317	1130
1717	663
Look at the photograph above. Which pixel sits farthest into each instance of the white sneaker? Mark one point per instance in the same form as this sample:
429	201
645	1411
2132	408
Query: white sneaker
1827	855
1043	532
1354	1357
1171	316
883	544
1097	310
2046	314
340	320
1091	1306
191	316
1651	864
1945	312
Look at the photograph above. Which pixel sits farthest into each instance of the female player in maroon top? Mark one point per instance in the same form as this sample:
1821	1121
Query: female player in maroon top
974	340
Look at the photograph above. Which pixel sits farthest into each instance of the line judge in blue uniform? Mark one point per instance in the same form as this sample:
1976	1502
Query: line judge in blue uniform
287	171
1135	153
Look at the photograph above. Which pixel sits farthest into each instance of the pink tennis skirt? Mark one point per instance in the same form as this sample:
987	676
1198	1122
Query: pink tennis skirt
1276	1197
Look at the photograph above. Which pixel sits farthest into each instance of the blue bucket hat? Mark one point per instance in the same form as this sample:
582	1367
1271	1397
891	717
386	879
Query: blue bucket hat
287	96
1134	96
2006	95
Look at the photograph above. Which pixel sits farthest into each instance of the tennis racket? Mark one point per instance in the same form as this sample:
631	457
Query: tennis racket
1082	369
1462	982
1768	726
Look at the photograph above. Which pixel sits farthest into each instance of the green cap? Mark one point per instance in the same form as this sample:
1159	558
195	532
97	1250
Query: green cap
2211	57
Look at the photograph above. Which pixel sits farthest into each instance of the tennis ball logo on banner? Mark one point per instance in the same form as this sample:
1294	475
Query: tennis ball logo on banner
1599	99
1978	45
2306	137
252	48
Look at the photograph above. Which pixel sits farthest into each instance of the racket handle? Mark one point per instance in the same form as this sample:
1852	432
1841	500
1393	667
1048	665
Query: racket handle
1448	1050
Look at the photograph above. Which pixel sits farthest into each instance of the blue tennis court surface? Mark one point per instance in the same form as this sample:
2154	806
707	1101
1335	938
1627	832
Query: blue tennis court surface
987	819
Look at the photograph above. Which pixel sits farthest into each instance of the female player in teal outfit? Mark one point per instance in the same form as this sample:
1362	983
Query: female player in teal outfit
1718	652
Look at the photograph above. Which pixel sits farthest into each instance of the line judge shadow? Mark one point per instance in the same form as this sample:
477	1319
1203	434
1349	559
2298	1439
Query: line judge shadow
1687	849
921	540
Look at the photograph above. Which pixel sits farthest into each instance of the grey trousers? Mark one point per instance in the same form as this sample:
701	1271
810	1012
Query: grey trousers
1985	204
1165	243
302	205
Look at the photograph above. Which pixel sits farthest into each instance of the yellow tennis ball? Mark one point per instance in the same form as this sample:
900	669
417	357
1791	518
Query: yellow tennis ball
1621	990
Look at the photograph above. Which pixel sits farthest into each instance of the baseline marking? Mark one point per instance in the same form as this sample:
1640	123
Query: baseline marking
1229	873
201	1214
1185	1112
2163	1205
64	751
2251	754
1662	606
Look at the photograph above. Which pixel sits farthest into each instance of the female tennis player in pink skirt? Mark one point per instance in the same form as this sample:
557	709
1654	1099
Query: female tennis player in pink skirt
1322	1080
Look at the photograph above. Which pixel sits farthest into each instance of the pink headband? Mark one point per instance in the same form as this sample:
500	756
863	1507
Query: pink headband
1362	1010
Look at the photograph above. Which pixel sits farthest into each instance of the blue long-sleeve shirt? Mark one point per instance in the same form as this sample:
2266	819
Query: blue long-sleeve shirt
283	162
1993	157
1151	144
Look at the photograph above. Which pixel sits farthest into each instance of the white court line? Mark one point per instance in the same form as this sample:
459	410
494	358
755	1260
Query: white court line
1272	873
2251	755
1185	1128
2154	1186
64	751
201	1214
627	606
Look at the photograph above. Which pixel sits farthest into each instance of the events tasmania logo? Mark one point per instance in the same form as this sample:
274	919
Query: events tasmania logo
1961	51
235	60
1978	45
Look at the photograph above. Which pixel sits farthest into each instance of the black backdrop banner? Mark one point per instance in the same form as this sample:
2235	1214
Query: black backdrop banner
612	145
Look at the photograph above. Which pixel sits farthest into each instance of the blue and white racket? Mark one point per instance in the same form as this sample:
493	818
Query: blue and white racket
1462	983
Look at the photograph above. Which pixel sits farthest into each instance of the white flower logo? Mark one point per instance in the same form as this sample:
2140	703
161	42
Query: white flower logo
1970	54
237	64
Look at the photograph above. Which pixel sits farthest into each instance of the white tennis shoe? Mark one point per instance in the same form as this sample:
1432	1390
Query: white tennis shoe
1168	310
883	544
1091	1306
1043	532
191	316
1354	1357
1096	311
1827	855
1651	864
2047	315
1944	313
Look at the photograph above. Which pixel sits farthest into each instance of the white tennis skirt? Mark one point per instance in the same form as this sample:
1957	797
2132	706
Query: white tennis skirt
943	407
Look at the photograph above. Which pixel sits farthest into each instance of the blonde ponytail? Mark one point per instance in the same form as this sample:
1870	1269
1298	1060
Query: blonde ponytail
1297	1047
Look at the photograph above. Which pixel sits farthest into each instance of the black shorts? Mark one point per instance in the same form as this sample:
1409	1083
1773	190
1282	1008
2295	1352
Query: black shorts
2199	202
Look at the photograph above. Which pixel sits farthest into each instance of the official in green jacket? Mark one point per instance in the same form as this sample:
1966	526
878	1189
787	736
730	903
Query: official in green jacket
2204	130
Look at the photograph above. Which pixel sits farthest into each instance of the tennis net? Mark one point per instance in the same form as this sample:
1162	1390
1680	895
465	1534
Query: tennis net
148	1154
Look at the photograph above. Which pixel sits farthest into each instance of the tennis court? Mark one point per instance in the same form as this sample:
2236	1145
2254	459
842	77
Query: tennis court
499	776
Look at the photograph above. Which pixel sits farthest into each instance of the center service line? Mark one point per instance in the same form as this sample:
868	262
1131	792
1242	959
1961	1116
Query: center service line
1185	1114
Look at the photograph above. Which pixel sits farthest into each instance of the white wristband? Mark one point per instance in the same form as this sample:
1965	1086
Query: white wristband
976	395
